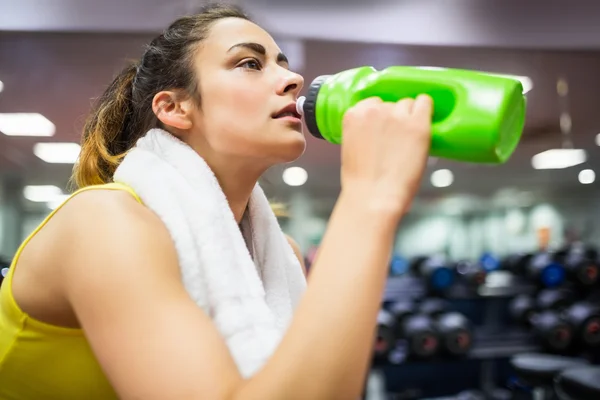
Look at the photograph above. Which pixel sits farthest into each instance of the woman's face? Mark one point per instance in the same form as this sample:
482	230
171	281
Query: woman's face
244	83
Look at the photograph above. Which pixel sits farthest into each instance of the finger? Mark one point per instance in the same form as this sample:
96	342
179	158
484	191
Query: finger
405	106
370	100
423	106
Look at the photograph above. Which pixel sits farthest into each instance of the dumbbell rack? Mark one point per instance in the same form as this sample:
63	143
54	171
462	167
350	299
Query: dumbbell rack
493	344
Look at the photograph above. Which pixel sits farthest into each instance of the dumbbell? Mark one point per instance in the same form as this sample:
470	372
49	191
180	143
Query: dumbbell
453	328
581	383
580	263
554	333
540	267
398	265
584	317
385	339
540	371
555	299
470	395
489	263
472	273
417	330
4	265
435	271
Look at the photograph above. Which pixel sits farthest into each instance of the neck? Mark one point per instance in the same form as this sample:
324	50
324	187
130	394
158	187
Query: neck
237	185
237	177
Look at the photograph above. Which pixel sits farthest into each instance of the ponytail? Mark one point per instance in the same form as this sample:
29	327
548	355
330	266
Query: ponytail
124	112
106	133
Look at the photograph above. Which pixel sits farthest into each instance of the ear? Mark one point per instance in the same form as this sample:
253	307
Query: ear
172	111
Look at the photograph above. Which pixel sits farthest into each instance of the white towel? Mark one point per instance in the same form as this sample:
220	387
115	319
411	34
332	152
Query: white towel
217	268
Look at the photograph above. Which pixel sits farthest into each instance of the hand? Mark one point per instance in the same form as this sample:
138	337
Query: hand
384	151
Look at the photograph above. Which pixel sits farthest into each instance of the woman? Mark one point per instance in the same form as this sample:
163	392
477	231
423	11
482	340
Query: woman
95	307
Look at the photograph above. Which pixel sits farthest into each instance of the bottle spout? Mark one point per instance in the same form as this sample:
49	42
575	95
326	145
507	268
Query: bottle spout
300	105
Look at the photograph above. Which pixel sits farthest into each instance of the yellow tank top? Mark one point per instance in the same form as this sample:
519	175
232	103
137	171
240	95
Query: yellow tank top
39	361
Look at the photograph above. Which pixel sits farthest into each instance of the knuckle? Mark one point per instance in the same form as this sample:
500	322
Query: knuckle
399	117
364	109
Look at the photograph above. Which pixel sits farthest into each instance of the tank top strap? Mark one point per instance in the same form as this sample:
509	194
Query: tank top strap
106	186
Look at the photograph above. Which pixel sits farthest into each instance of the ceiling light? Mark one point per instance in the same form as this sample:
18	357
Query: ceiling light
598	139
42	193
26	124
558	158
442	178
1	86
587	176
295	176
57	153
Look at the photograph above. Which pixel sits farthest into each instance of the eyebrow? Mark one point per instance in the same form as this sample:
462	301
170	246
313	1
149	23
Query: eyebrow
260	49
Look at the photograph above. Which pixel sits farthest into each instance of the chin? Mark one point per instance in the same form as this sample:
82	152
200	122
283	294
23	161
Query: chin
291	149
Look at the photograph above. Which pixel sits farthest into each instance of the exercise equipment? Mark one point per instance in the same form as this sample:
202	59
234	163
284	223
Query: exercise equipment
463	127
555	299
385	338
580	383
475	394
540	268
4	265
584	317
418	330
539	371
3	274
554	333
499	394
472	273
489	262
398	265
436	272
471	395
453	328
580	263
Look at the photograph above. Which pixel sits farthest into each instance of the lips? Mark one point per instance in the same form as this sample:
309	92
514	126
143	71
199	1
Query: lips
287	111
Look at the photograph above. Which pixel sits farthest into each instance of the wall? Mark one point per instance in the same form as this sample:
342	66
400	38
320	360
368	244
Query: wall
2	211
11	211
500	232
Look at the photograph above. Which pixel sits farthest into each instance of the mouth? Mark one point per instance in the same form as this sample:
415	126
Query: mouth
288	111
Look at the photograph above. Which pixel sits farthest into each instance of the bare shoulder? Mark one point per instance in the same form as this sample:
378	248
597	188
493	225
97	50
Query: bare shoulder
123	283
107	221
82	240
106	203
111	224
297	252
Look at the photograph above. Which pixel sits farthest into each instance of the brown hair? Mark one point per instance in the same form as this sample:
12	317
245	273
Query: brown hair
124	112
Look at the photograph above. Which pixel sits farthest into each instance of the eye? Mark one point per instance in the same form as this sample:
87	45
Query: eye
251	64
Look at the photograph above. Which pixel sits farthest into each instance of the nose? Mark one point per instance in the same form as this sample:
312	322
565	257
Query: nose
291	83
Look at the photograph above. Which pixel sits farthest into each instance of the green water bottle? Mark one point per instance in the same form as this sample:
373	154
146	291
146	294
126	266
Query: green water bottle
477	117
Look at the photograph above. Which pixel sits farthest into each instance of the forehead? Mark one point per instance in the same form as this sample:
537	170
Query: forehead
231	31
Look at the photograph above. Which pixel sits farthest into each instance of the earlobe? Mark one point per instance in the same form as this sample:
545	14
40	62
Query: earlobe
171	111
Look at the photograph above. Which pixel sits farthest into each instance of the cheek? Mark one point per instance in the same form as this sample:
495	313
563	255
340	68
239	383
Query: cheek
234	113
240	100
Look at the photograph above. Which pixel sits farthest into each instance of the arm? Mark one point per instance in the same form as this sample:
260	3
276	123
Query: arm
350	269
122	280
123	283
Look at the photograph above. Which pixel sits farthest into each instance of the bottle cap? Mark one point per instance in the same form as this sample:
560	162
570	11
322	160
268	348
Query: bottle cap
309	105
300	105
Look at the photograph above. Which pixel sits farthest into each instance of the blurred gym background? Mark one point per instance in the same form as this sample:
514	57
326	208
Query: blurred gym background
492	262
